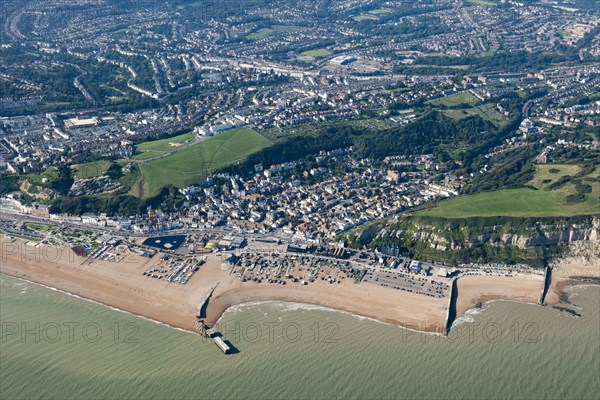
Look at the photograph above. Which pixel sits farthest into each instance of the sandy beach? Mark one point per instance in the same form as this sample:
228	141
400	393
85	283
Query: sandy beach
473	290
399	308
121	285
582	265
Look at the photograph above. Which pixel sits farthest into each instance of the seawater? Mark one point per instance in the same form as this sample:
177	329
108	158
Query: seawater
57	346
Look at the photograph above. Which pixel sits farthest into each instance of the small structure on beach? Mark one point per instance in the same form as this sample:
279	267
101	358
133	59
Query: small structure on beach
415	266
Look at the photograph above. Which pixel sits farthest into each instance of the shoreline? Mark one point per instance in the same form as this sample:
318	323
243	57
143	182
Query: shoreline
319	306
121	286
565	287
480	307
181	329
315	306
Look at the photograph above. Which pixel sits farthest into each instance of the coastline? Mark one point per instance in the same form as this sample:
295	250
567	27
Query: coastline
121	286
100	303
430	323
480	306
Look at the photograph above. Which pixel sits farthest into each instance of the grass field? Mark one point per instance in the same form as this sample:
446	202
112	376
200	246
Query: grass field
48	175
486	111
194	163
524	202
118	31
316	53
483	2
259	34
364	17
457	99
275	29
547	174
166	144
92	169
41	227
145	155
464	104
372	15
381	11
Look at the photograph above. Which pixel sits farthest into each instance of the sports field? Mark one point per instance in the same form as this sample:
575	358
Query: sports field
194	163
525	202
317	53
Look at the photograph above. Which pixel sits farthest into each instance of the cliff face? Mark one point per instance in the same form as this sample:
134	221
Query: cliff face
546	235
581	259
488	239
448	237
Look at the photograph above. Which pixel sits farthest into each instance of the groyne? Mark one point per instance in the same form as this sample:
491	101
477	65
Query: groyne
451	313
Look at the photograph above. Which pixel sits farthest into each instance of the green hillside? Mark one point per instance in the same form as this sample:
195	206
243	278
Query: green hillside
194	163
554	183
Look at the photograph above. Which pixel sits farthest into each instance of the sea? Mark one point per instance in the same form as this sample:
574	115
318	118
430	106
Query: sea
54	345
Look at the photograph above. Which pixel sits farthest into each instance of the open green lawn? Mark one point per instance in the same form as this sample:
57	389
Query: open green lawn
145	155
460	114
464	104
316	53
92	169
275	29
488	3
547	174
259	34
457	99
194	163
40	227
50	175
364	17
381	11
486	111
524	202
372	15
166	144
118	31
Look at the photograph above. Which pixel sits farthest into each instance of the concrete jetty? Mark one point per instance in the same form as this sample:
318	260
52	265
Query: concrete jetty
207	331
222	345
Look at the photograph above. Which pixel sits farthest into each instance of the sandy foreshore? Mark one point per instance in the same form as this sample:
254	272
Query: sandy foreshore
119	285
404	309
122	286
576	269
474	290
